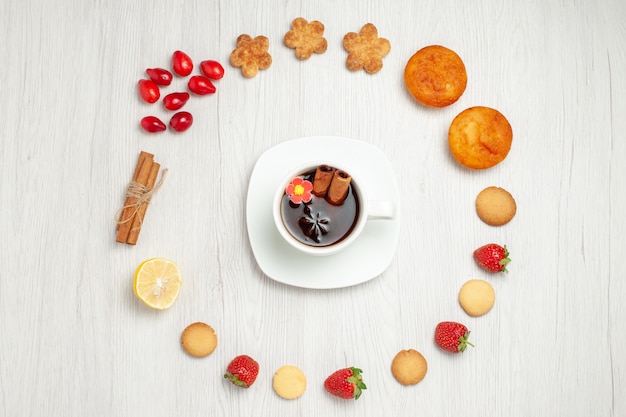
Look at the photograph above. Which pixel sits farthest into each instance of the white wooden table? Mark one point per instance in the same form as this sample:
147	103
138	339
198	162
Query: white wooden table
74	340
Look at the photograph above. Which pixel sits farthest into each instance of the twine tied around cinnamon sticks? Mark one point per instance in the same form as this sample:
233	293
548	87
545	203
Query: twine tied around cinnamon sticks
138	195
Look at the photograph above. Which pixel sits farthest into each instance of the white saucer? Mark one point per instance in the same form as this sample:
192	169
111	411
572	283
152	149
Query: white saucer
362	261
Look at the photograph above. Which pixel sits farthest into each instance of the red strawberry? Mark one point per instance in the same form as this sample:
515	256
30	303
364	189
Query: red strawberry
452	337
492	257
345	383
242	371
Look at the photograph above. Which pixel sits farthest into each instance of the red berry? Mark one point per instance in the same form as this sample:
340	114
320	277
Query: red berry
181	63
149	91
492	257
212	69
345	383
160	76
181	121
152	124
242	371
452	337
175	101
200	85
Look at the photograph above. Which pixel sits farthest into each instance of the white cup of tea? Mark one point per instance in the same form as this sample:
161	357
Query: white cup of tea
321	209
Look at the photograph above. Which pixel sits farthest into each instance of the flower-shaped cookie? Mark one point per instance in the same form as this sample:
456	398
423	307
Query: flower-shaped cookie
251	55
365	49
306	38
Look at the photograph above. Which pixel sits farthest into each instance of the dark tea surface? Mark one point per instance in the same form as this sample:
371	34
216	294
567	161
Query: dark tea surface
319	223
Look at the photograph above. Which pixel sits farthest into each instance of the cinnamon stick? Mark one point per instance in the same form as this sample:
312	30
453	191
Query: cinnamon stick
133	233
339	187
127	209
130	206
322	179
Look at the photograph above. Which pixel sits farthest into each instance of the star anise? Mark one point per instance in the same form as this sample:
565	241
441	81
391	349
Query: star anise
312	225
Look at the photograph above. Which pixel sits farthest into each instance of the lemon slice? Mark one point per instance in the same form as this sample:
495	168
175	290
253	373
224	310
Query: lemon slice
157	283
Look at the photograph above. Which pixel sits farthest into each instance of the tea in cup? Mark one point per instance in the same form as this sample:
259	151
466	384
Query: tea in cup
320	209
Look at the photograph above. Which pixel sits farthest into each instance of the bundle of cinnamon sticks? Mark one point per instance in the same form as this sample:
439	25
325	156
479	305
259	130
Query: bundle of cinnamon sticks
138	196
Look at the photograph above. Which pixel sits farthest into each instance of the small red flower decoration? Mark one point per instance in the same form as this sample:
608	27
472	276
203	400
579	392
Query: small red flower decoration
299	190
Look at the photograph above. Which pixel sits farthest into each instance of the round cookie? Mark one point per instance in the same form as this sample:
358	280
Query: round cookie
409	367
199	339
289	382
435	76
495	206
480	137
477	297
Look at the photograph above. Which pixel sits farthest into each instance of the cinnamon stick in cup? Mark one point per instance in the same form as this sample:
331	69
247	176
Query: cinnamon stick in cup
322	180
339	187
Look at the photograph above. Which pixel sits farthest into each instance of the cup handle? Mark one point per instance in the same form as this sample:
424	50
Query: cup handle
379	209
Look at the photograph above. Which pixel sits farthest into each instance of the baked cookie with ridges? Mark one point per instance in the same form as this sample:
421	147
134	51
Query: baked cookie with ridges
477	297
495	206
251	55
409	367
435	76
289	382
365	49
306	38
480	137
199	339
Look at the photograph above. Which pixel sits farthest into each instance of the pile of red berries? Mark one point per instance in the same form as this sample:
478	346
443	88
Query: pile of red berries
182	65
